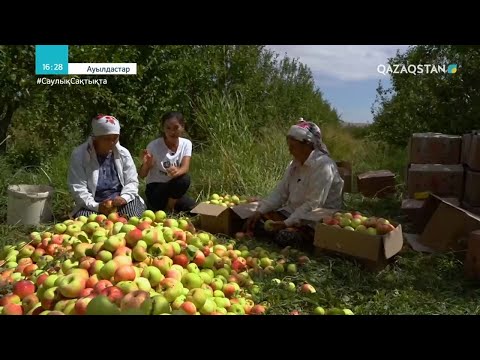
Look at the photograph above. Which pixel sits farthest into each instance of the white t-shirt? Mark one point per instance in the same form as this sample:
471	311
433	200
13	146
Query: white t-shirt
163	158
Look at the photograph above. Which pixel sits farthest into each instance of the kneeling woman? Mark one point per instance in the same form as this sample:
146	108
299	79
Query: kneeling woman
311	181
165	164
102	174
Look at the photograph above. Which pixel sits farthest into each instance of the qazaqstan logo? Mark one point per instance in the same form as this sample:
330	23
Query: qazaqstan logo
417	69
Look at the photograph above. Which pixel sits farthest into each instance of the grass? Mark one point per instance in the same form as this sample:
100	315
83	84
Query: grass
238	159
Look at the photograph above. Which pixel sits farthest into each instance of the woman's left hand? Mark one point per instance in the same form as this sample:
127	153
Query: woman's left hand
278	225
119	201
174	171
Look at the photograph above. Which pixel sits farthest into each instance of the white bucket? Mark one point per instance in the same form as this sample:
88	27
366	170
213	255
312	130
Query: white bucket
29	204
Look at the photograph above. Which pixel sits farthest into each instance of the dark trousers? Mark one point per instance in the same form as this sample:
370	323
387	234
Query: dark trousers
300	237
157	194
133	208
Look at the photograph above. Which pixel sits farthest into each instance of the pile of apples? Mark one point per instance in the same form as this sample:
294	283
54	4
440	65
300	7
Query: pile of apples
150	265
355	221
229	200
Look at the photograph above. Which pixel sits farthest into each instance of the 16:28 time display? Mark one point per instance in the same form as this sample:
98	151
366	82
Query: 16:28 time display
53	67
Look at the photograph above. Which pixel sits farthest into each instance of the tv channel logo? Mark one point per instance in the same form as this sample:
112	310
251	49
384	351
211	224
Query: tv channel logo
452	68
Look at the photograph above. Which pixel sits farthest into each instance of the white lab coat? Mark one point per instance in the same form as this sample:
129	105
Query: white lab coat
304	188
83	175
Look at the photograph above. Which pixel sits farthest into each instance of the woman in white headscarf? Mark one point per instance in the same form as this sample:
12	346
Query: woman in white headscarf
311	181
102	177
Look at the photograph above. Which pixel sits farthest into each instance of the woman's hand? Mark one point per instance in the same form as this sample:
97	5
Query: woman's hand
119	201
252	220
147	159
174	171
105	207
277	225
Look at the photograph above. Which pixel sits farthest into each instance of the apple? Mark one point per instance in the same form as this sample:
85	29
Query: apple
12	309
133	237
60	228
117	228
143	284
101	305
257	310
319	311
10	299
30	269
113	243
41	279
372	231
134	300
181	260
149	214
82	304
189	307
71	285
26	251
163	263
29	302
209	307
171	223
104	256
198	297
172	288
108	270
23	288
153	274
160	305
192	280
35	238
127	286
124	273
349	228
307	289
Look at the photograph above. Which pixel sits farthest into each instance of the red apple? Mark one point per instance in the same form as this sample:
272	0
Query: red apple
124	273
102	284
114	294
12	309
181	259
134	300
81	305
86	292
23	288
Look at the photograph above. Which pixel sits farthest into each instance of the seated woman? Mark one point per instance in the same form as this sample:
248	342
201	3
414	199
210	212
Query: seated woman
310	181
102	177
165	164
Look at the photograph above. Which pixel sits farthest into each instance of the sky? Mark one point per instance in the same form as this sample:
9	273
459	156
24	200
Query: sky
346	75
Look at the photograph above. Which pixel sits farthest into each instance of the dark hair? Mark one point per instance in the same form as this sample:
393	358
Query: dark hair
173	115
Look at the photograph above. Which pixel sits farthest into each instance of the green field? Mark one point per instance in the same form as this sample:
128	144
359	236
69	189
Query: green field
413	283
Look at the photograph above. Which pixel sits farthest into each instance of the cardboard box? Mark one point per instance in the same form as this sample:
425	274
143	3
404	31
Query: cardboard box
473	159
345	170
218	219
435	148
472	259
372	248
448	226
376	183
466	144
473	209
416	214
472	188
442	180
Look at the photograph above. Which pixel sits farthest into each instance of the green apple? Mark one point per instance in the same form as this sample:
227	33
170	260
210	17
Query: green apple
348	312
149	214
217	284
209	307
192	281
319	310
101	305
160	305
50	281
60	228
291	269
104	255
117	228
193	268
134	220
153	274
207	279
174	291
127	286
126	228
222	302
139	253
108	270
113	243
143	283
142	243
69	264
210	261
197	297
160	215
72	285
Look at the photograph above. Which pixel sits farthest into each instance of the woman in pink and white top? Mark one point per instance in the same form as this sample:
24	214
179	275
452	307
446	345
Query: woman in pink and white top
165	164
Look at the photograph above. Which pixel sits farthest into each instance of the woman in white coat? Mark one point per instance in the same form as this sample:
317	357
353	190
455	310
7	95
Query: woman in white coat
102	177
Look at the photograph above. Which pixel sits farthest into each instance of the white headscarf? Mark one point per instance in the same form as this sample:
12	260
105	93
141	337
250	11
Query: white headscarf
105	125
